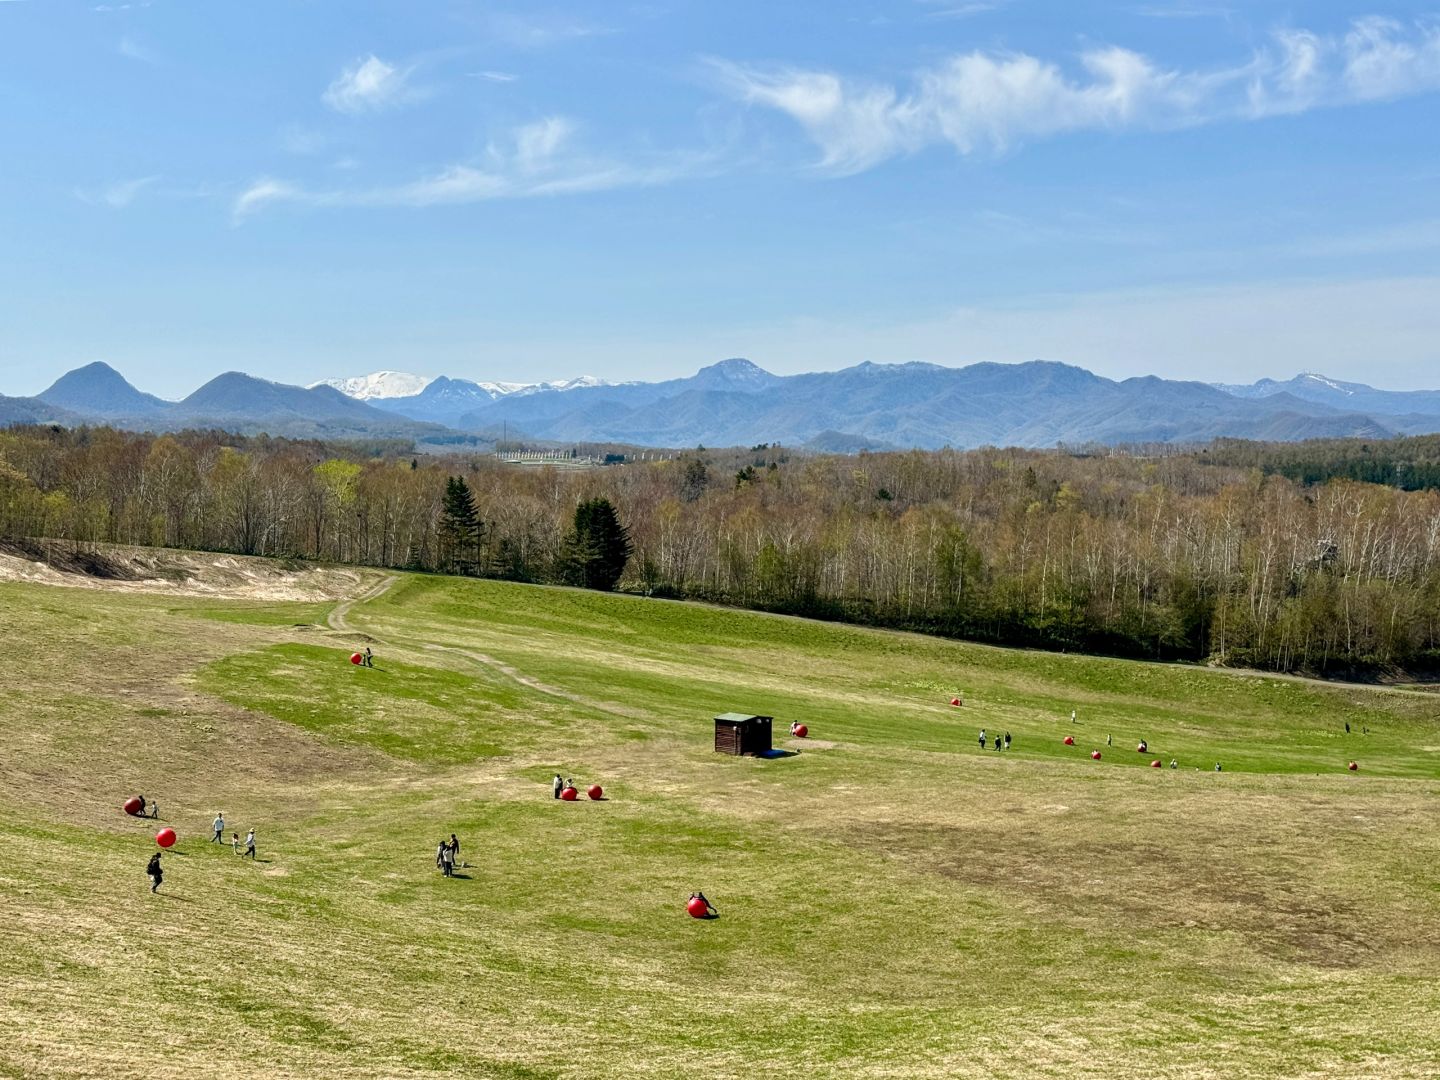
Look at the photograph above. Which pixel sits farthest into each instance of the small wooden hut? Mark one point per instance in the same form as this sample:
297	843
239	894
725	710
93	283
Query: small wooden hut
741	733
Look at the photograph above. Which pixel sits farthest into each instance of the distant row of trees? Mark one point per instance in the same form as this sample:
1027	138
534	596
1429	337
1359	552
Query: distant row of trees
1209	555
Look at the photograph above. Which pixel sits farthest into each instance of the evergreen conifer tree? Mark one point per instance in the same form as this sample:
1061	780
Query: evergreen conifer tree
597	548
460	529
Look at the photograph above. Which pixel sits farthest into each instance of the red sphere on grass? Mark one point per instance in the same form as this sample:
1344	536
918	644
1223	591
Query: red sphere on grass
1155	765
355	658
1354	765
954	701
595	791
569	794
165	838
133	806
801	731
697	908
1069	740
1095	754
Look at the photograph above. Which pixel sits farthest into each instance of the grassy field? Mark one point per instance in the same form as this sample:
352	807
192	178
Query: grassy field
894	902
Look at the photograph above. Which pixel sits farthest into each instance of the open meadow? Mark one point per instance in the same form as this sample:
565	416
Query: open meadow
894	901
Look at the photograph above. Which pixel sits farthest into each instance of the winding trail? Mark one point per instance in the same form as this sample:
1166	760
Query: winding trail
339	617
339	621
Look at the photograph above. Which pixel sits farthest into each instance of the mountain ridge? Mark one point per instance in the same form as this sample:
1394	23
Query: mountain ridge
736	402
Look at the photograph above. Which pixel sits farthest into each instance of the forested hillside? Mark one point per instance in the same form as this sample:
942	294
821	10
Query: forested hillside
1207	555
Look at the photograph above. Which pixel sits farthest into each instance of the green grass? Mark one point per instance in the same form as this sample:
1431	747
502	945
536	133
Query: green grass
894	901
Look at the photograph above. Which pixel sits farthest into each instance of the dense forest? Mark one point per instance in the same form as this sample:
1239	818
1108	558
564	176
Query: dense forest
1233	554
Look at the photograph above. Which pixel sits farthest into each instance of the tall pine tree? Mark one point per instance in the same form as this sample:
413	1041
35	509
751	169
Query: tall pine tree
460	530
597	548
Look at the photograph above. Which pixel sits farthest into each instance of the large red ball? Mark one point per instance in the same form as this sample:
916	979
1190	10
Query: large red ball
1155	765
1069	740
355	658
801	731
165	838
133	806
1095	754
569	794
697	908
1354	765
595	791
954	701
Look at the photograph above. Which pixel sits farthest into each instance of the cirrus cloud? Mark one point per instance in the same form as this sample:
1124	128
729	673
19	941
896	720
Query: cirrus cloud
989	101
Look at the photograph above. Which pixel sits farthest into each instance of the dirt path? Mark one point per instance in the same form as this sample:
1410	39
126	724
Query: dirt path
339	621
339	617
535	684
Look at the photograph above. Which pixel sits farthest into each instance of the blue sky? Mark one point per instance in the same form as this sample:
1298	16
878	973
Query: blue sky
518	191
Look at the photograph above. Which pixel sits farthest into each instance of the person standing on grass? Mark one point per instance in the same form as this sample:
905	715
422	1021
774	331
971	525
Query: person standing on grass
1007	740
454	848
369	657
1107	739
250	844
558	785
447	860
154	809
440	856
152	871
219	826
1072	716
982	738
235	842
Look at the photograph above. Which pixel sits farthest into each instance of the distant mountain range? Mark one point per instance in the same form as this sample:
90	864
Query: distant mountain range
735	402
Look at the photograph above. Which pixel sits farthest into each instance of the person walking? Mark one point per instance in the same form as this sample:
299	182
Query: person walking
982	738
219	826
154	809
250	844
447	860
235	842
1007	740
454	849
369	657
152	871
1107	739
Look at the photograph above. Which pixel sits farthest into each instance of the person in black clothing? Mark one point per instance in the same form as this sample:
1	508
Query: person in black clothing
152	871
1007	740
709	907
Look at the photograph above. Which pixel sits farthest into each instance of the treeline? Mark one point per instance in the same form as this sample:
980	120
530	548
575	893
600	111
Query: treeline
1410	463
1198	555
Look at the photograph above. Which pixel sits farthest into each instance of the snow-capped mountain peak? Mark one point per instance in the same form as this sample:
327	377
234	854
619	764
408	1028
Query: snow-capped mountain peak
1323	381
379	385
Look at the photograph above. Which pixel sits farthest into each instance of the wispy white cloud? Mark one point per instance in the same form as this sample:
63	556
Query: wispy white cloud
532	160
119	195
370	85
133	49
949	9
492	76
535	30
983	101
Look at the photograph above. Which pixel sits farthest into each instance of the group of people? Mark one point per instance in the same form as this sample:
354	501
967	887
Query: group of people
150	809
157	875
559	784
1000	744
447	855
219	837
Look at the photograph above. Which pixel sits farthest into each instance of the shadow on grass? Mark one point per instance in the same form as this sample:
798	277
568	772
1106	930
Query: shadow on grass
775	755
